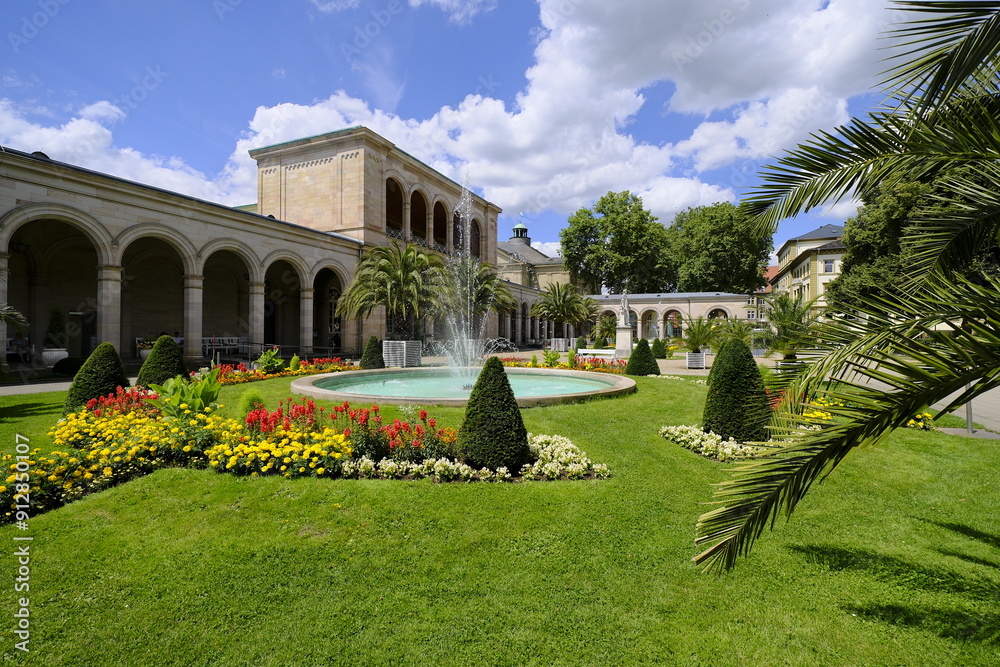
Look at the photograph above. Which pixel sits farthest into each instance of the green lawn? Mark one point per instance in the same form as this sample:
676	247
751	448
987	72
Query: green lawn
894	560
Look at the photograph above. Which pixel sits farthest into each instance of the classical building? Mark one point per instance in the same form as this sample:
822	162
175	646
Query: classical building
663	315
808	263
125	261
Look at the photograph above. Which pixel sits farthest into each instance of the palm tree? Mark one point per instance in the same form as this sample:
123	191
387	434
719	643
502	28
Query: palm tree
607	327
939	335
699	332
790	322
406	281
11	317
470	290
563	304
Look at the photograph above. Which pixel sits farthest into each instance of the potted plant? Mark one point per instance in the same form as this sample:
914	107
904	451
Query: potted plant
55	341
698	333
145	347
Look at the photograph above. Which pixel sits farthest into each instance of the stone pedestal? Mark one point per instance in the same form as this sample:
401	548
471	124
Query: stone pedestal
623	342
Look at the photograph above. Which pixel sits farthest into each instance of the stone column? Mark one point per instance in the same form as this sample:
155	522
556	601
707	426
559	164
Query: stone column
193	306
4	271
406	222
449	234
305	321
255	335
518	328
109	307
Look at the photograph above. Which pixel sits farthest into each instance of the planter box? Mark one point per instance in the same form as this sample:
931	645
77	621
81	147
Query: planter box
143	353
401	353
696	360
51	355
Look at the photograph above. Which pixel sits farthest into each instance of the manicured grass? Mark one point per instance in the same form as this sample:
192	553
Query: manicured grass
895	559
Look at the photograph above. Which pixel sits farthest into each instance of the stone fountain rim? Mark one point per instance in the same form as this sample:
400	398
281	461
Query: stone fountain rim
618	385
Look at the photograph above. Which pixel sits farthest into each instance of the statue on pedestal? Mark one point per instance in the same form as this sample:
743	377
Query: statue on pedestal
624	319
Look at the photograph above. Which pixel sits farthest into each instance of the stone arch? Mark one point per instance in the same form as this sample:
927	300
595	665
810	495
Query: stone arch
650	325
418	217
718	313
285	255
394	198
284	277
226	277
475	238
185	249
673	324
243	250
331	334
439	233
88	225
154	271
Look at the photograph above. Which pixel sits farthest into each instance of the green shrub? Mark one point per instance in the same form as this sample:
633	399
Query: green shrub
270	361
101	374
736	406
658	349
551	357
293	363
68	366
372	357
641	362
55	335
166	360
250	400
196	394
600	343
581	342
493	434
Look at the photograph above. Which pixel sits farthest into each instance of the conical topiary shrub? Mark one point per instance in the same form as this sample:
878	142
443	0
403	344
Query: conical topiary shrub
372	356
581	342
493	433
101	374
165	360
642	362
658	349
736	406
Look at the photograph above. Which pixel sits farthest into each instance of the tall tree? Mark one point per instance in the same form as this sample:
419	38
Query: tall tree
718	249
941	333
405	280
873	263
618	244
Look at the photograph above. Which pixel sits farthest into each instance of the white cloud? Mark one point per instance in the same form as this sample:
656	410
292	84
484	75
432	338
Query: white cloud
763	75
458	11
550	248
330	6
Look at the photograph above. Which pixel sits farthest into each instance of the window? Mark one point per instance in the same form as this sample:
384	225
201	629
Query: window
751	314
827	266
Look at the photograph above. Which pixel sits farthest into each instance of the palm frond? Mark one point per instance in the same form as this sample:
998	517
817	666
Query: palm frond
887	369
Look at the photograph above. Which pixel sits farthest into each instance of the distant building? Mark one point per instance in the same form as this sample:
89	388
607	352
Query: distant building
808	263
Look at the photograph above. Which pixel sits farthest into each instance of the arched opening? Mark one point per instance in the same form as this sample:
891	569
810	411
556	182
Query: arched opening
718	314
328	332
440	228
53	266
475	239
393	208
633	321
672	327
649	328
152	291
458	234
418	218
281	305
524	325
226	297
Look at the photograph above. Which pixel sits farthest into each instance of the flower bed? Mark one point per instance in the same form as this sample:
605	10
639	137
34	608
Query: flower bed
593	364
710	444
241	373
126	435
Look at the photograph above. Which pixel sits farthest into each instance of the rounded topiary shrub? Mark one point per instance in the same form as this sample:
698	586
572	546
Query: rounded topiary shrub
372	356
642	362
68	366
493	433
101	374
581	342
736	406
658	349
165	360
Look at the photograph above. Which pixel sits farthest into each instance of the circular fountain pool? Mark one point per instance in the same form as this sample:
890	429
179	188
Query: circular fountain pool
440	386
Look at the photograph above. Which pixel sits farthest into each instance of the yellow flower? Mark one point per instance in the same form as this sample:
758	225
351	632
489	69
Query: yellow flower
107	472
320	471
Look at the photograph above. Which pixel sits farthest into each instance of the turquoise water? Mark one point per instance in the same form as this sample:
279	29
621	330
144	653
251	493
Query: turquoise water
441	384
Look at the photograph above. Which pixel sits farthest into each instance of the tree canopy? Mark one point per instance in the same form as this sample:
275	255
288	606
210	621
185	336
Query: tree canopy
717	248
618	244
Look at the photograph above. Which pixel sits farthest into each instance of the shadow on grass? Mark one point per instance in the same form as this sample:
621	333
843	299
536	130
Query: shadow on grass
985	538
953	623
20	411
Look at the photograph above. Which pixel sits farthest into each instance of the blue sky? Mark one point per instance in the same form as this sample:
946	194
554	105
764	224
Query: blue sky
544	105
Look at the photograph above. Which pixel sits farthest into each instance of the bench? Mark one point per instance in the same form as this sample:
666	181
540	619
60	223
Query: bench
14	355
605	353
